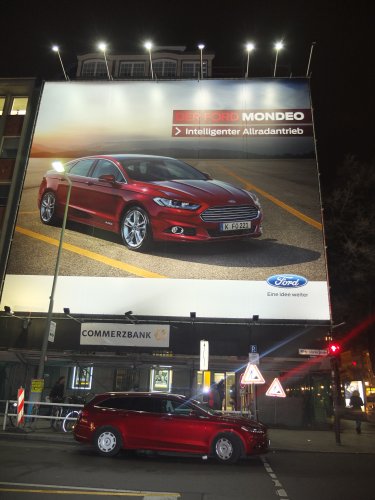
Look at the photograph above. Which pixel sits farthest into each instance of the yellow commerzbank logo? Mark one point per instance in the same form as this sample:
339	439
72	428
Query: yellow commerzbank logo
161	334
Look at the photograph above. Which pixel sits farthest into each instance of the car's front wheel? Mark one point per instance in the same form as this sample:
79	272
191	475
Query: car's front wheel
136	229
227	448
48	208
107	441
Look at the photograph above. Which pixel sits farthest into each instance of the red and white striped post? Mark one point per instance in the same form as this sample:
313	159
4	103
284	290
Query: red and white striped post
20	405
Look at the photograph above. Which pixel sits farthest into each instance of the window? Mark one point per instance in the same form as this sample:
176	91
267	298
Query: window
165	68
82	167
106	167
82	377
192	69
2	104
94	69
129	69
161	379
118	403
19	106
9	147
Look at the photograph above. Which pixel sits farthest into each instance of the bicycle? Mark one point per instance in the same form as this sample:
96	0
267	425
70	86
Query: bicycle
28	417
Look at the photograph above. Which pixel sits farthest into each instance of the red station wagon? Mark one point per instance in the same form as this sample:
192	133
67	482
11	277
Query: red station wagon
169	423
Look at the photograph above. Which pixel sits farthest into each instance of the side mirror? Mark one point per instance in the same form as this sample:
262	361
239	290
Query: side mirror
208	177
107	178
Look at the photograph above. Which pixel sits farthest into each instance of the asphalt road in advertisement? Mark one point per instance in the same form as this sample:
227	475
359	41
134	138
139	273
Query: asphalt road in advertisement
292	239
49	470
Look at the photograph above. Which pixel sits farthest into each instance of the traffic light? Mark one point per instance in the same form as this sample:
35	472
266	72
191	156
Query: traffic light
334	349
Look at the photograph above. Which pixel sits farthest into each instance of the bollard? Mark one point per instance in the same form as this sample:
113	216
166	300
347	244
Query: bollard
20	406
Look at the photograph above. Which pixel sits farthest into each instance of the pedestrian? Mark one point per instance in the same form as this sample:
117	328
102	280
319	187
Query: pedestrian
356	404
57	392
221	389
56	395
214	397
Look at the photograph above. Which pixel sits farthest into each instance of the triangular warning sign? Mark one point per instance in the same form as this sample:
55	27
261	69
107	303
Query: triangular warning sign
276	390
252	375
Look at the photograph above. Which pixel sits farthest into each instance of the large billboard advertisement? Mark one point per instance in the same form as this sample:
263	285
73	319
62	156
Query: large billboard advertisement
186	196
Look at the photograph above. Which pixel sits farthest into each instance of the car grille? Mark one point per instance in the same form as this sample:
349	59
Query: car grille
229	214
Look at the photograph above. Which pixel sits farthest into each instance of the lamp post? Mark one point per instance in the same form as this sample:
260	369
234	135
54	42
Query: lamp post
249	48
308	65
148	46
278	46
201	47
103	47
55	48
59	168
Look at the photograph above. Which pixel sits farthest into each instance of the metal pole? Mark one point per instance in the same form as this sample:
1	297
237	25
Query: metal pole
201	64
247	65
336	397
43	351
274	71
151	68
66	77
106	65
308	65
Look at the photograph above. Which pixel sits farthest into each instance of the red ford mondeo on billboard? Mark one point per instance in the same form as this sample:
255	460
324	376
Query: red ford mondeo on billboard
146	198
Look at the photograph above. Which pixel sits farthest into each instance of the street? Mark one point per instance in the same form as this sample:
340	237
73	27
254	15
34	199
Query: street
30	469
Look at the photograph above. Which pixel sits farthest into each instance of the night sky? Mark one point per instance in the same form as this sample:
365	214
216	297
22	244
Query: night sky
342	78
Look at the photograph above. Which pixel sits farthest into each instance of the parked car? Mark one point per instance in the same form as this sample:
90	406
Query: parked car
146	198
166	422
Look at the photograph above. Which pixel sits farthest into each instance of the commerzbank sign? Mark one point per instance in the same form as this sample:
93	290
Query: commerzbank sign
120	335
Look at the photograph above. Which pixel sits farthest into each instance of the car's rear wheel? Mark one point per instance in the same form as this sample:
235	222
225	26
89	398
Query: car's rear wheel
107	441
227	448
48	208
136	229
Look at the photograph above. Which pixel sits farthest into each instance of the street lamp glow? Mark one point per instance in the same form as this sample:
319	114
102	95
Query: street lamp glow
249	47
201	47
103	47
148	46
278	46
55	48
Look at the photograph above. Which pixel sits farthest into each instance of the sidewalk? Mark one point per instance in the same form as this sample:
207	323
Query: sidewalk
281	439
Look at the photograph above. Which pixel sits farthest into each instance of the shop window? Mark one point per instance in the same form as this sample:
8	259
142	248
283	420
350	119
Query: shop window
192	69
130	69
2	104
82	377
161	379
9	147
19	106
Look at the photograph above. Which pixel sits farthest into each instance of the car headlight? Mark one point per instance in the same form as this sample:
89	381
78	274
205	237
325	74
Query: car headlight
185	205
254	430
254	197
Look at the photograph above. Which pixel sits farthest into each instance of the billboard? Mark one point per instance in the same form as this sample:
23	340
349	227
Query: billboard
230	228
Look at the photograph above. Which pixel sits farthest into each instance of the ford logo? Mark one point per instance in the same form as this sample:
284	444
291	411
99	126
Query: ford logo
287	280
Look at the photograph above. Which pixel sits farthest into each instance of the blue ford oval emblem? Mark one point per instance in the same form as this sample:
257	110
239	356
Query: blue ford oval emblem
287	280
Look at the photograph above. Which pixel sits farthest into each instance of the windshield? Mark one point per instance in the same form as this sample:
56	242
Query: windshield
159	169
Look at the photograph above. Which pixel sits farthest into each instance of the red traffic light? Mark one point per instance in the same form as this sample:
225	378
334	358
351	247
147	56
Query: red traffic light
334	349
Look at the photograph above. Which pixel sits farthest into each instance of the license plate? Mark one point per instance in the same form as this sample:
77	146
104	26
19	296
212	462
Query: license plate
235	226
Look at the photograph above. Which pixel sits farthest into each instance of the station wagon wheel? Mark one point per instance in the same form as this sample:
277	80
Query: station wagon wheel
107	441
227	448
48	208
136	229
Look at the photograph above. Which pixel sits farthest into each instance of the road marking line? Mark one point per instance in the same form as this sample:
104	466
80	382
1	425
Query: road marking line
79	490
275	200
279	490
137	271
